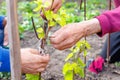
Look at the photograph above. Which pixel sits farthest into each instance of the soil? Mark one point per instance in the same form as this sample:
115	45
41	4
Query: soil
54	68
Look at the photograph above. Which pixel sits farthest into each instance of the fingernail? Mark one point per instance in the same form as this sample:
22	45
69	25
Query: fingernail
52	36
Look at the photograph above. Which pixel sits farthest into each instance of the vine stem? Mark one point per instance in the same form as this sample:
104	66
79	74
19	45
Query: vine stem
81	4
37	38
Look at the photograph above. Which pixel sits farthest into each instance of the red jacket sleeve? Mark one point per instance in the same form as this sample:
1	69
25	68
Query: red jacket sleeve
109	21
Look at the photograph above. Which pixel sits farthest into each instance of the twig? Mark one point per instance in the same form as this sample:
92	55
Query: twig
85	36
108	44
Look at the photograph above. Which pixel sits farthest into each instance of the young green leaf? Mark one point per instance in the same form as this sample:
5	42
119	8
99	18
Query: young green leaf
67	67
69	56
40	33
32	77
69	75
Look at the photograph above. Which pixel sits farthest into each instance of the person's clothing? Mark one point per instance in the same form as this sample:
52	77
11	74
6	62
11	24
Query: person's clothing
1	30
114	48
110	20
4	60
97	65
4	53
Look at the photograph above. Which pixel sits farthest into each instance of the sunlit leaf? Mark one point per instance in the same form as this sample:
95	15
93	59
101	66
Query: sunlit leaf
49	15
69	75
85	53
32	77
40	32
80	62
69	56
67	67
51	23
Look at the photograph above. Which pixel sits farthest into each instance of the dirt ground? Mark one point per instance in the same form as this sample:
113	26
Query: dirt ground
54	69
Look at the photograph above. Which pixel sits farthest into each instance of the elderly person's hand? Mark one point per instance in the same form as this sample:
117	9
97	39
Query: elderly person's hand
55	6
5	36
68	35
5	43
32	61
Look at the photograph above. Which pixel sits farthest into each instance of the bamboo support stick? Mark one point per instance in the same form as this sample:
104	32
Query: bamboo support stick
14	42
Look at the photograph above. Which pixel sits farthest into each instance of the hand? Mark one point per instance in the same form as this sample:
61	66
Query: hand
68	35
5	32
54	7
5	36
32	61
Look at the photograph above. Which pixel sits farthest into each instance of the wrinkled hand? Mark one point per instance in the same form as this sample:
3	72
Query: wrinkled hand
5	36
32	61
67	36
55	6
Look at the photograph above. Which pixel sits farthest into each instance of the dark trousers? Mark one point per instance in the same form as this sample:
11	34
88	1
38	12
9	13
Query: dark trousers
114	48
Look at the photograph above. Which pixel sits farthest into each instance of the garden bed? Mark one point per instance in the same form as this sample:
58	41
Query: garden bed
54	69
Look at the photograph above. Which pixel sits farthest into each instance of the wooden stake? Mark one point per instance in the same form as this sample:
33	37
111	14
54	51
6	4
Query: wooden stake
85	37
12	22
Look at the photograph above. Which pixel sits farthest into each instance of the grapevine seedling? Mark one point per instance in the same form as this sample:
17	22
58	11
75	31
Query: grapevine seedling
50	20
74	64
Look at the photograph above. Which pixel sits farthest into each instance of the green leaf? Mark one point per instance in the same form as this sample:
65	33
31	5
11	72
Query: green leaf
40	32
39	5
80	62
69	56
32	77
69	75
67	67
85	53
49	15
62	22
79	71
51	23
37	8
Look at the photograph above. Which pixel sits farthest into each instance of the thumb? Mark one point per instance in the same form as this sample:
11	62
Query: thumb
57	37
5	41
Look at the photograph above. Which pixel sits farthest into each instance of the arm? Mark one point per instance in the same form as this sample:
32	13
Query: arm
71	33
110	21
2	22
117	3
4	60
32	61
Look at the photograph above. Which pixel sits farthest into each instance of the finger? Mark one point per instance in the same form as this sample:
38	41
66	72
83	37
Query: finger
57	8
34	51
44	59
58	36
5	42
40	69
54	5
65	44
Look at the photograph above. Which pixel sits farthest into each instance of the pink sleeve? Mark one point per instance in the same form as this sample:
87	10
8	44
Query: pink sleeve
117	3
109	21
